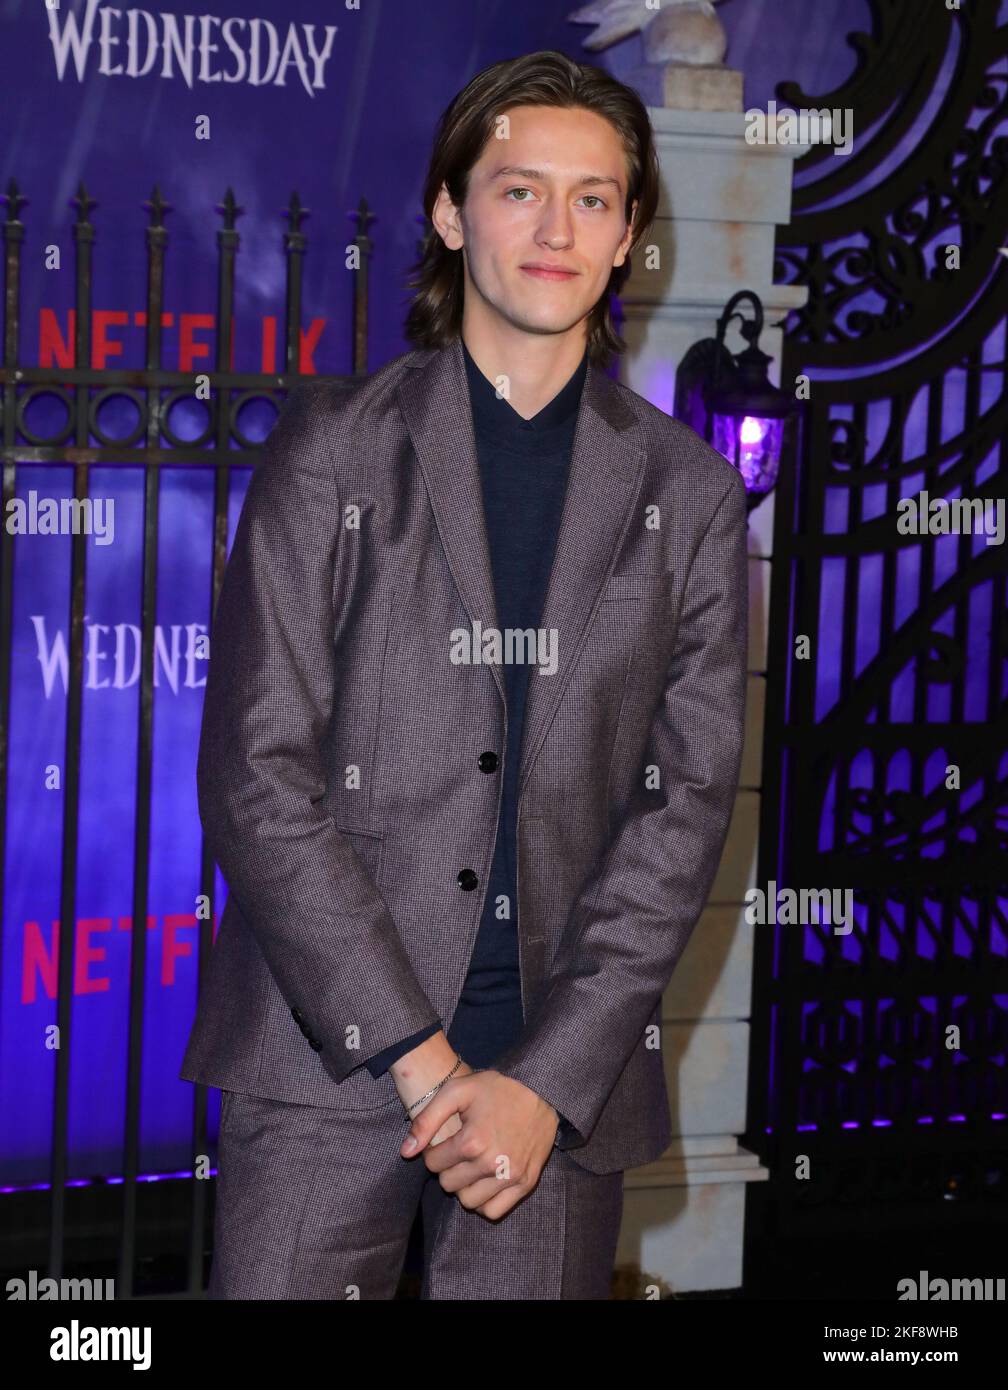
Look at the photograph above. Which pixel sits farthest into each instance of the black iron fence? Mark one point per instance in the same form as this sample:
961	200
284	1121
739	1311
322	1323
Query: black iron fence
82	443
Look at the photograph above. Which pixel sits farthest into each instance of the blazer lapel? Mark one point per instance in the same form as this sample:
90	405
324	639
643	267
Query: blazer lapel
434	398
606	469
605	474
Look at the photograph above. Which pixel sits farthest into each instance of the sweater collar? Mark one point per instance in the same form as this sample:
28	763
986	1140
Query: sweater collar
500	415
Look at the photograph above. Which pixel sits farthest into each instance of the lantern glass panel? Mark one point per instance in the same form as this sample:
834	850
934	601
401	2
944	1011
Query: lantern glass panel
753	444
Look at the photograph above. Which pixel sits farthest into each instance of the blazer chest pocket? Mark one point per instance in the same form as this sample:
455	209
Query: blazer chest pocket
636	584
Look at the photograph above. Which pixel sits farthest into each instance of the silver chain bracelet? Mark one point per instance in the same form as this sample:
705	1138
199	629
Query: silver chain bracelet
434	1089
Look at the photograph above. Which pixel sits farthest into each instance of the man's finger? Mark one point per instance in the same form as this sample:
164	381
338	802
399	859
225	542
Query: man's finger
451	1126
456	1172
500	1204
449	1154
477	1191
452	1097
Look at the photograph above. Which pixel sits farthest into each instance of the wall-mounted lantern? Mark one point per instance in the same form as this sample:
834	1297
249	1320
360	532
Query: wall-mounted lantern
732	403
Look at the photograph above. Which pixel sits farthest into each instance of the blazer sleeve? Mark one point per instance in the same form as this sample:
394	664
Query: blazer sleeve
380	1063
317	915
630	924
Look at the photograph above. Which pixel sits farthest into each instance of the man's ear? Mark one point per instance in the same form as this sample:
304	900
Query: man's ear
446	220
624	246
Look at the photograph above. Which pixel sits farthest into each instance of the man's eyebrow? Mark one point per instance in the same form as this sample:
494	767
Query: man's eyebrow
510	170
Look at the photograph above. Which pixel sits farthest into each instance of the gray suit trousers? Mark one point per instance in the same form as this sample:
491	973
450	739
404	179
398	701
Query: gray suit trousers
316	1203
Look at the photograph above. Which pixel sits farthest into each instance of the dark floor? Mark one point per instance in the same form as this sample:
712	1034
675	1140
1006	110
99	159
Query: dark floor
830	1257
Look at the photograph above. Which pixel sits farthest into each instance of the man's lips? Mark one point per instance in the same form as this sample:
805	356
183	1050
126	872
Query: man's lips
548	272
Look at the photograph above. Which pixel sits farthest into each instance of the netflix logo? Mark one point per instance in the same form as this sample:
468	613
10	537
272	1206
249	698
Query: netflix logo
187	344
174	934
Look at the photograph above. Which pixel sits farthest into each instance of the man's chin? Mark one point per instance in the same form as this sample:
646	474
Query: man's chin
553	324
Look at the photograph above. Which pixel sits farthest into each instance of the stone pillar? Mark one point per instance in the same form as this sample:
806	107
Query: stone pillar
721	202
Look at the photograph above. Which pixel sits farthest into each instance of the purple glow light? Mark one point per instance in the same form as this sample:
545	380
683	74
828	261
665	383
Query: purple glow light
753	445
109	1181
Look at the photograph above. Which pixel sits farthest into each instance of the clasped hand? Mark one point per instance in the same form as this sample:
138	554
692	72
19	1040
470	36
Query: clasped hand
496	1156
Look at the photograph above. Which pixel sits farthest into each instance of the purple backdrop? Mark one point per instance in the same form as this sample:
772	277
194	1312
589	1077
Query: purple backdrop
355	122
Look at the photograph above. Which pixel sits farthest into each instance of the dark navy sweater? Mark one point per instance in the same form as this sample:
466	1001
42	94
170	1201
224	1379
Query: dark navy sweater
524	466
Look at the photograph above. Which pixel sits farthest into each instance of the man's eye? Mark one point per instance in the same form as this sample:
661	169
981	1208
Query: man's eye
595	200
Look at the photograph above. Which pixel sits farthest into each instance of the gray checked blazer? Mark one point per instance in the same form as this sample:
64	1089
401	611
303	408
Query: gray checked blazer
339	777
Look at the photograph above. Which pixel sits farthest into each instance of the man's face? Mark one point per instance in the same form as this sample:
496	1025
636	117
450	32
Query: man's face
543	223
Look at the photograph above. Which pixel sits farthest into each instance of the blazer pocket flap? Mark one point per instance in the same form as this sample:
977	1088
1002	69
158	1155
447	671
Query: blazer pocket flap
636	584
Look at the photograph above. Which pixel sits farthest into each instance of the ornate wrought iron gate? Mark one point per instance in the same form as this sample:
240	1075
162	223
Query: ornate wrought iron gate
853	1060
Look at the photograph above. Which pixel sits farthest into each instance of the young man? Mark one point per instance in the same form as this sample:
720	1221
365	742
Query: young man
472	733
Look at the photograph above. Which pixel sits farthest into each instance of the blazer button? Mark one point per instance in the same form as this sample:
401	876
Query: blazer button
467	879
315	1046
298	1018
487	762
